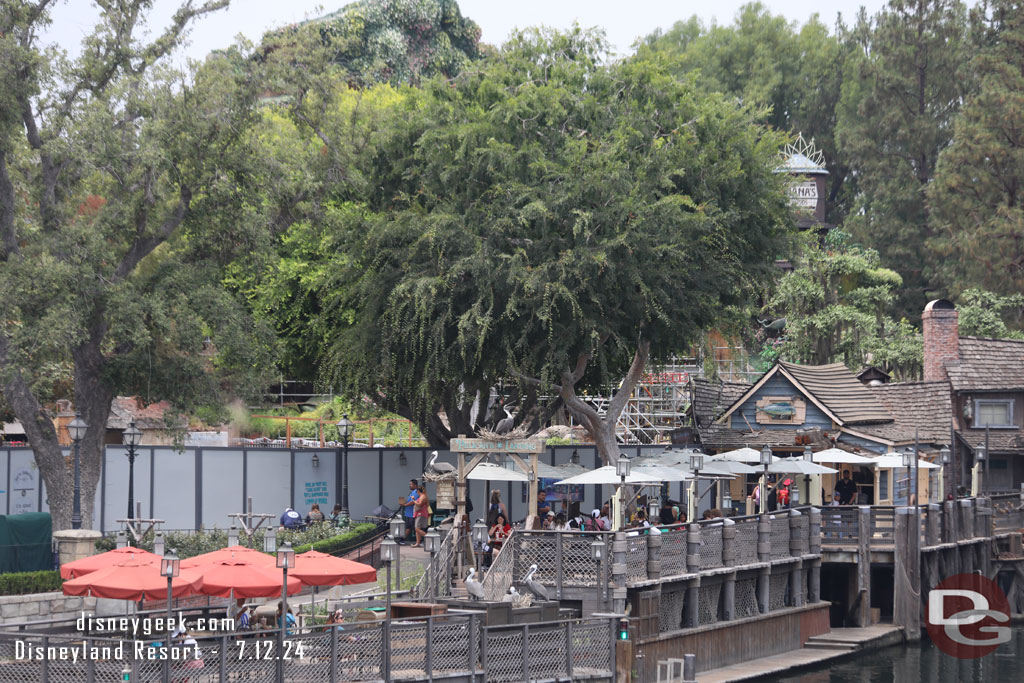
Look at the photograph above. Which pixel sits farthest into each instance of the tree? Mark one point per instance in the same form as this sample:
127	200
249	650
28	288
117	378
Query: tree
978	194
898	104
834	304
763	59
121	184
984	314
555	219
389	41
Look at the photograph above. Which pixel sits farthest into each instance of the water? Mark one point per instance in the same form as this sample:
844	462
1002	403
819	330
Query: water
924	662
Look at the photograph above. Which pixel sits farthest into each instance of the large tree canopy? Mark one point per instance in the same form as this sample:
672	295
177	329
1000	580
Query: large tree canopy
551	217
121	184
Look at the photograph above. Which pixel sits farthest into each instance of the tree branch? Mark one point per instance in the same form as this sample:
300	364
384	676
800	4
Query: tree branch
533	380
142	247
636	371
8	236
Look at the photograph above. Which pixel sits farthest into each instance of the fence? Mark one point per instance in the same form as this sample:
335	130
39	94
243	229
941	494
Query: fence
410	649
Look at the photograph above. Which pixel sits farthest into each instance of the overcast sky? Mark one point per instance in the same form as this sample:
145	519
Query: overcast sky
623	20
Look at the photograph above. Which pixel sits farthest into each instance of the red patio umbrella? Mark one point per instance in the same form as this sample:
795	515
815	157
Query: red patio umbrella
110	558
320	569
233	552
246	579
133	579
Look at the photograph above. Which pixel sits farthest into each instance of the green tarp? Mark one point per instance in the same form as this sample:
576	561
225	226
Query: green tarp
26	542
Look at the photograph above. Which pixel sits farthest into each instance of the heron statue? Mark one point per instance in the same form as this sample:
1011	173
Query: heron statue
535	587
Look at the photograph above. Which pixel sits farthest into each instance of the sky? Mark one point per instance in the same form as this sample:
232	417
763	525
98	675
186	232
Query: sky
623	20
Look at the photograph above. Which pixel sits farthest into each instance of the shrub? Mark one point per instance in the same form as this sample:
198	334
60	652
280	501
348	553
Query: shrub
23	583
341	542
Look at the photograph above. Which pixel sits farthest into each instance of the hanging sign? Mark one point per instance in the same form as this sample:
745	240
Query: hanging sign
463	445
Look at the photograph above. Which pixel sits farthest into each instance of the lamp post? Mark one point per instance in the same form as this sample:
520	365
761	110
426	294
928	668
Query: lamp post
285	560
131	438
696	463
432	543
946	457
76	428
388	554
397	530
622	467
908	463
766	459
344	426
597	552
170	566
479	535
809	457
981	455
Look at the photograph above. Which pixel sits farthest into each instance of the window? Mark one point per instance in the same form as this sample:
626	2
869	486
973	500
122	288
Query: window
993	412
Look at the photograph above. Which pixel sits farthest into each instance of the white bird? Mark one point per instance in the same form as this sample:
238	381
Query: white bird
534	587
473	587
505	425
511	595
439	467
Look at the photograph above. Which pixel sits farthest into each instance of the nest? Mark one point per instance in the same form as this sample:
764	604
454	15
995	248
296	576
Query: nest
434	477
520	432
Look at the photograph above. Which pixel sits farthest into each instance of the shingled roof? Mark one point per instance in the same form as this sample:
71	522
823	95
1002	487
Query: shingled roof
988	365
711	398
840	391
924	406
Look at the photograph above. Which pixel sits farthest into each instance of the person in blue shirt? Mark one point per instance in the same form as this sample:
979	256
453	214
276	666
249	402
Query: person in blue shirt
289	620
290	519
409	508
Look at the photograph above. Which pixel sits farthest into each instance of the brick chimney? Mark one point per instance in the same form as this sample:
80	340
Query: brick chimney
941	338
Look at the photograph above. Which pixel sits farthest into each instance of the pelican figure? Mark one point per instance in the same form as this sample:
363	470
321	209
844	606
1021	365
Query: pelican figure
505	425
533	586
511	595
474	587
439	468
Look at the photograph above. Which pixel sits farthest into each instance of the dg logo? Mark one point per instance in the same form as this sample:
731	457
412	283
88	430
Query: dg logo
964	614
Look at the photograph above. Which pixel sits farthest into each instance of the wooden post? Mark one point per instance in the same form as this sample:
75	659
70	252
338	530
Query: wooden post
983	518
934	512
619	550
764	554
907	572
864	565
814	548
796	574
729	560
966	521
288	432
949	513
654	556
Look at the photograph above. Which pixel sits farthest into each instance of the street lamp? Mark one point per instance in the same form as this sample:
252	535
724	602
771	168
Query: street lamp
345	427
432	543
285	561
766	459
908	463
981	455
170	566
597	552
397	531
76	428
575	459
809	457
388	553
270	540
131	438
622	466
479	535
696	463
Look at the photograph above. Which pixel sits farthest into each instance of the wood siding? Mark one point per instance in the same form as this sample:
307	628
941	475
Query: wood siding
776	386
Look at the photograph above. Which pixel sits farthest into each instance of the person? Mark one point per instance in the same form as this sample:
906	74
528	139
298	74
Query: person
408	506
244	619
234	608
549	520
846	489
560	524
668	513
336	514
772	503
543	506
496	508
335	619
784	493
289	620
498	532
290	519
576	521
641	519
606	518
421	512
314	514
712	513
194	657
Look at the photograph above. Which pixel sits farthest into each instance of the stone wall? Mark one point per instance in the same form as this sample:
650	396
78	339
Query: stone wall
17	609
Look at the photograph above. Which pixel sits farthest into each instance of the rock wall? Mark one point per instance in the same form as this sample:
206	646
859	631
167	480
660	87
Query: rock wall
18	609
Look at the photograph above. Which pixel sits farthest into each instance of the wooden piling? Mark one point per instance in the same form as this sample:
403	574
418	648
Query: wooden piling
907	572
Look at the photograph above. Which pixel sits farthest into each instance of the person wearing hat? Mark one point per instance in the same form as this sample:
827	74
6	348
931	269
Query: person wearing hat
549	519
290	519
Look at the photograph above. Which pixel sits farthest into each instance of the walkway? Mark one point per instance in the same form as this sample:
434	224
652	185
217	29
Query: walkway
839	643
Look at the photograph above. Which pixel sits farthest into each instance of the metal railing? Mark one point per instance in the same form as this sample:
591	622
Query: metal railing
437	578
418	649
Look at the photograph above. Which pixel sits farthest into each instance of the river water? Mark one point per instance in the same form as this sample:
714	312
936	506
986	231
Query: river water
924	662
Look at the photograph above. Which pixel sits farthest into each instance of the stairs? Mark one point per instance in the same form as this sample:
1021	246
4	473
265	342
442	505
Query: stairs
831	641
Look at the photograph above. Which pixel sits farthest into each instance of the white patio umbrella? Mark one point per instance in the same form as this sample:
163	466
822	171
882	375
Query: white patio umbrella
487	471
729	467
895	460
607	475
662	473
798	466
745	454
837	455
559	471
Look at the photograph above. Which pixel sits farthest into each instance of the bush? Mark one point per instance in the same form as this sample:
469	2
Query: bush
23	583
341	542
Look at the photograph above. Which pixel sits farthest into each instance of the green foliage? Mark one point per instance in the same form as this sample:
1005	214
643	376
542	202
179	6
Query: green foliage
834	303
389	41
341	542
985	314
24	583
978	193
898	104
542	208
